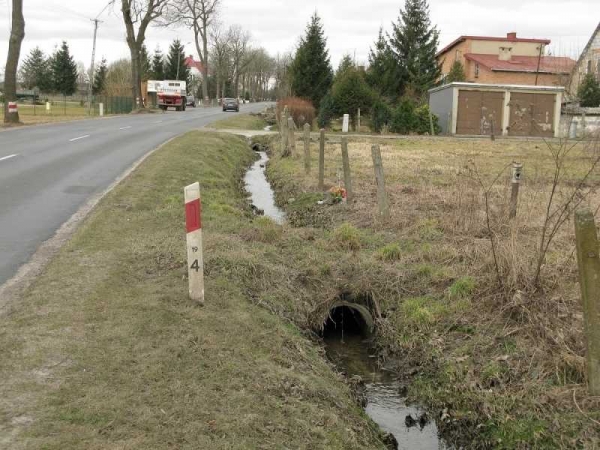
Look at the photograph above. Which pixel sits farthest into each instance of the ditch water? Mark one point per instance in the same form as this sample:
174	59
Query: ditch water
260	190
348	348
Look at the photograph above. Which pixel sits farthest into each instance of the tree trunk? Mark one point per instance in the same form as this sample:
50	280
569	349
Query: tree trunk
12	61
218	86
136	77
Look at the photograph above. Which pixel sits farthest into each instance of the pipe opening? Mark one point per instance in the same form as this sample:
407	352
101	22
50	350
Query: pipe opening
345	320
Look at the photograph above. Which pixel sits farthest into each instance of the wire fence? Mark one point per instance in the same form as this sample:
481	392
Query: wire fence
72	106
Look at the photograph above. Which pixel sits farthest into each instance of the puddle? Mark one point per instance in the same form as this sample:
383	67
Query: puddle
385	404
261	192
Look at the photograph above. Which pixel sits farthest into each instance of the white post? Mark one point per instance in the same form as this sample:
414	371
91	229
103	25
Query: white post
101	109
47	107
346	123
193	222
358	121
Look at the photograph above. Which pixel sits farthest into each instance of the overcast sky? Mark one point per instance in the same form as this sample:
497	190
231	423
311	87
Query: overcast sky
350	25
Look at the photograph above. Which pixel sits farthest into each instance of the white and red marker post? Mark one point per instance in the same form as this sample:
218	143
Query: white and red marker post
12	107
193	223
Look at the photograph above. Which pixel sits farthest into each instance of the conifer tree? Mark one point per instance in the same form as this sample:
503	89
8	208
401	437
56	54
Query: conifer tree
589	92
145	64
381	66
175	58
100	78
35	72
414	43
64	71
158	65
457	72
345	64
311	70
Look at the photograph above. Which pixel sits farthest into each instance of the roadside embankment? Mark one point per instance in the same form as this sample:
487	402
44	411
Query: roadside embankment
106	351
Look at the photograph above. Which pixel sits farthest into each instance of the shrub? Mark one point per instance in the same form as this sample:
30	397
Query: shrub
589	92
302	111
350	92
421	123
326	111
403	118
381	115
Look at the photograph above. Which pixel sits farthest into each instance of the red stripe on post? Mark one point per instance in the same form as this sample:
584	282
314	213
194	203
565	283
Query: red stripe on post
193	216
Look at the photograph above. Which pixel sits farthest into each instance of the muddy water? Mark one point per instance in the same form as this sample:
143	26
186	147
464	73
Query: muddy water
385	404
260	190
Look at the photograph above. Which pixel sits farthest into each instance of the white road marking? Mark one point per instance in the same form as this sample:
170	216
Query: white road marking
160	121
7	157
124	128
80	137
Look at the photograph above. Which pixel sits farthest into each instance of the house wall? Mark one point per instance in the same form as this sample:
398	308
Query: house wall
455	53
527	78
518	48
590	54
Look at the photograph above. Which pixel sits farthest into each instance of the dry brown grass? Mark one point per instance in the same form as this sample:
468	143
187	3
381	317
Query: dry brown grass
512	351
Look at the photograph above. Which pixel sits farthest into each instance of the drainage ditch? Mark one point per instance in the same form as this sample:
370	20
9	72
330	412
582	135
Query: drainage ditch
348	337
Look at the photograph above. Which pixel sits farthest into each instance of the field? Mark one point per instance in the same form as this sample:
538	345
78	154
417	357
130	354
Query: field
240	122
480	336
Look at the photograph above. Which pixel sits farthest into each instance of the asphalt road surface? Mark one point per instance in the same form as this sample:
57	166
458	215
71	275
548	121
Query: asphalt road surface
48	172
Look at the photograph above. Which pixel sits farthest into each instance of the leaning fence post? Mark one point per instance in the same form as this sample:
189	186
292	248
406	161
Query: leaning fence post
589	283
382	199
517	175
346	164
193	224
284	134
322	159
307	147
291	135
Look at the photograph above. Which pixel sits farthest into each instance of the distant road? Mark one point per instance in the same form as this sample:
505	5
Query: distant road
48	172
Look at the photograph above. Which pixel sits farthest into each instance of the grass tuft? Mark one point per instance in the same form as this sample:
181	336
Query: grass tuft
347	237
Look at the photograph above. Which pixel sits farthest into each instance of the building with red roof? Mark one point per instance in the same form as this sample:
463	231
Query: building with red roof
195	66
506	60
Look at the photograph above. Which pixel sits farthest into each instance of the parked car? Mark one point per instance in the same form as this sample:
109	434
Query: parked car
231	104
191	101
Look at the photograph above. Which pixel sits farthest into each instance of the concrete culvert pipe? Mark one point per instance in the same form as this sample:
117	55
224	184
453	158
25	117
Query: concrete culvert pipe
349	318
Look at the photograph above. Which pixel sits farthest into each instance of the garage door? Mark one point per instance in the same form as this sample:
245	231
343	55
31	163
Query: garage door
531	114
479	112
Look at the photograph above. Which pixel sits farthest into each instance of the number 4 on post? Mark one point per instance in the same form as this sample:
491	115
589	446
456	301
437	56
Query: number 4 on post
193	222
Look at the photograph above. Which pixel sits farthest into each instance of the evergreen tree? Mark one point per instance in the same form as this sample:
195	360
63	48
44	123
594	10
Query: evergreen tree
350	91
64	71
457	73
311	70
100	78
35	72
414	43
589	92
345	64
381	66
145	64
175	59
158	65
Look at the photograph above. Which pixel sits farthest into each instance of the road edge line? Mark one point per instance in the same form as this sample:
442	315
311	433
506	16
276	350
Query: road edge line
26	275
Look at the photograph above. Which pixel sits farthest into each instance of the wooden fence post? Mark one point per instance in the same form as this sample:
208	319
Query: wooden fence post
517	175
292	136
346	164
431	129
322	159
358	121
589	282
307	147
284	134
382	199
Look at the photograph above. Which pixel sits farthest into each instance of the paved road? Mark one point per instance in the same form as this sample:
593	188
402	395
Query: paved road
48	172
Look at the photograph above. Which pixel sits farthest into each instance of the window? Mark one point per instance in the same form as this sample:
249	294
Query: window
476	70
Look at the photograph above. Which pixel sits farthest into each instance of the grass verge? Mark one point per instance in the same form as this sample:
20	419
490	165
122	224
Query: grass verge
106	351
241	122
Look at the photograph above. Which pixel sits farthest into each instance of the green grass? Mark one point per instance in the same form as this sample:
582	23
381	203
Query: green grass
240	122
106	350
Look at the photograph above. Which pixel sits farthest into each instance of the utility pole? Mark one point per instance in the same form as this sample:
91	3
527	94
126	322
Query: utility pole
537	71
91	82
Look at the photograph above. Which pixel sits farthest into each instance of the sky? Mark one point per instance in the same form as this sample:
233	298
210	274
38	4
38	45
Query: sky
351	26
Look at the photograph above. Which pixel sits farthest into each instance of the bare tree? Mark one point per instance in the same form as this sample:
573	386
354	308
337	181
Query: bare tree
140	13
221	58
198	15
239	40
17	34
